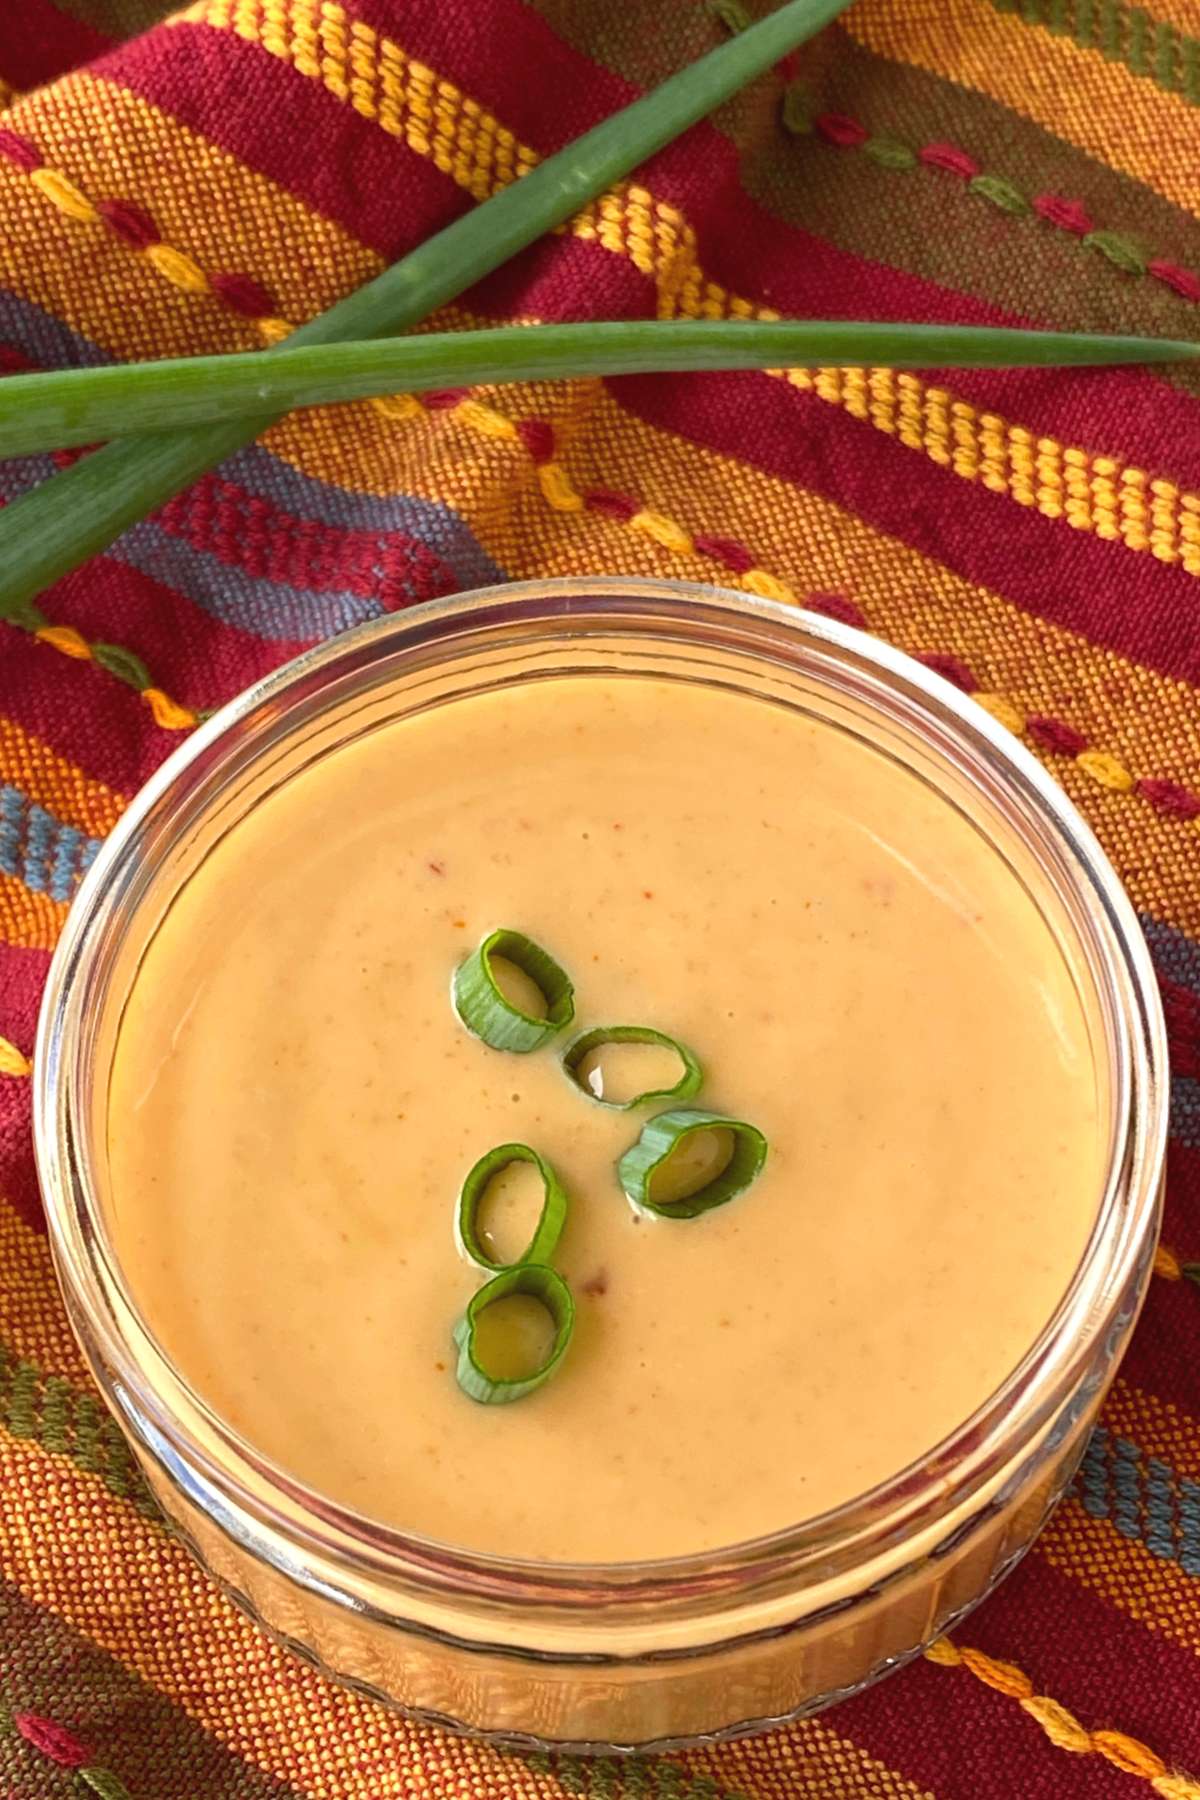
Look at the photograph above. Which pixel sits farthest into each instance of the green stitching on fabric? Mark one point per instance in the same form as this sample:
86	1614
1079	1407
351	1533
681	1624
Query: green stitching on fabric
1152	49
604	1780
21	1397
1135	45
69	1421
104	1783
731	13
1189	70
123	664
796	111
87	1433
1002	193
1120	251
889	154
56	1402
1114	246
640	1778
636	1776
1191	1272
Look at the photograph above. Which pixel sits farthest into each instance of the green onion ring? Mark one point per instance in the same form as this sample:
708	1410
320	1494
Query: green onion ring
661	1135
687	1085
484	1010
551	1219
540	1283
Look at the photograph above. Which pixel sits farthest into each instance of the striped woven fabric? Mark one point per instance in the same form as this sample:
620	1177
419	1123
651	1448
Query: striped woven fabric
195	185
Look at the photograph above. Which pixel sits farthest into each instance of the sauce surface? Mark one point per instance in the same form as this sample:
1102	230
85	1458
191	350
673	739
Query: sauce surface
294	1105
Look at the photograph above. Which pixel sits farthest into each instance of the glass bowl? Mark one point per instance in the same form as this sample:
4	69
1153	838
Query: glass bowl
638	1655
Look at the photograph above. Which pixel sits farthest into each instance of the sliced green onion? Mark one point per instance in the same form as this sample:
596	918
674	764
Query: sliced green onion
551	1219
689	1081
539	1283
488	1014
660	1140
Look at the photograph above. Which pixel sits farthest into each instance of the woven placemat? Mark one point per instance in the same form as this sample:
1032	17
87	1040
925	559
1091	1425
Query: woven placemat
1035	537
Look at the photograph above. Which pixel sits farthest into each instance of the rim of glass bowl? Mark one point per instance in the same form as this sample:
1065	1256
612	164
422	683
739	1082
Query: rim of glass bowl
1100	1304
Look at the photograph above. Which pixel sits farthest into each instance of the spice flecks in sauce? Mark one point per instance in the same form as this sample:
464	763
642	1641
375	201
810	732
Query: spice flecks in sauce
294	1107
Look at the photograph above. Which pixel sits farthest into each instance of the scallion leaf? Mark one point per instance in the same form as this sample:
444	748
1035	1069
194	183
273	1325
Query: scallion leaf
486	1010
62	407
538	1282
661	1141
690	1075
79	511
551	1218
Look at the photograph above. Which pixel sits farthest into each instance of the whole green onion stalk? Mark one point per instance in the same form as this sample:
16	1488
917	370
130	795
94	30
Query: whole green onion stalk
82	406
79	511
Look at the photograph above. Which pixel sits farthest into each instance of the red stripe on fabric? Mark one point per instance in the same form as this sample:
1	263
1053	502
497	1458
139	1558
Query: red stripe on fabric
39	43
389	198
1182	1009
371	184
198	659
249	532
77	708
22	977
1124	601
950	1733
1171	1315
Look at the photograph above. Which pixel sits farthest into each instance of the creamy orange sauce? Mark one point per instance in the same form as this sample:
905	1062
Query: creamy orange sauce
294	1105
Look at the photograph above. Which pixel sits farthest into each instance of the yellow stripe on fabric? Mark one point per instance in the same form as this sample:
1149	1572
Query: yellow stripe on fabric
50	780
32	1320
1063	1729
1158	1427
28	920
1157	1593
1099	106
1092	489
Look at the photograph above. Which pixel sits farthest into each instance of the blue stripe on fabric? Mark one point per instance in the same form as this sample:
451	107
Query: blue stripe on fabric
1175	956
1185	1111
42	851
270	609
1143	1496
275	610
436	524
45	339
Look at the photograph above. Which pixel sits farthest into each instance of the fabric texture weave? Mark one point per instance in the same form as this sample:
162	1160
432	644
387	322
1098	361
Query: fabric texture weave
168	187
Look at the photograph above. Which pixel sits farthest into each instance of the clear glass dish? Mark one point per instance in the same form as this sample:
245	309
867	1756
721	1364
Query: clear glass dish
631	1656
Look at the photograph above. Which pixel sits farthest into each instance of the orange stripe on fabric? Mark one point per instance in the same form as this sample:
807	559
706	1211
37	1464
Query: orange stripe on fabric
32	1324
205	205
94	1562
55	783
1099	106
1157	1593
28	920
32	1320
1063	1729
